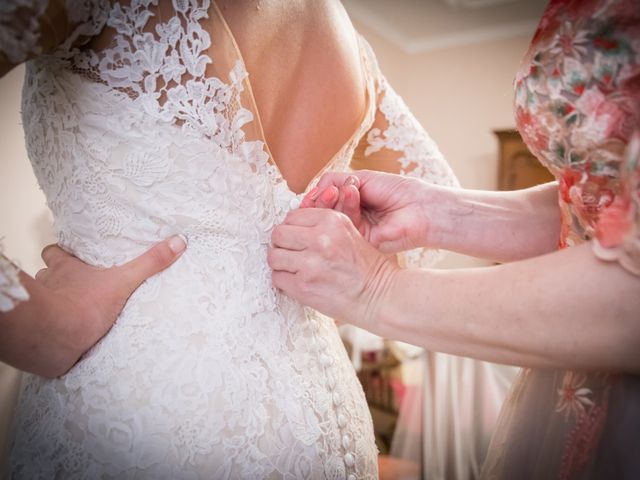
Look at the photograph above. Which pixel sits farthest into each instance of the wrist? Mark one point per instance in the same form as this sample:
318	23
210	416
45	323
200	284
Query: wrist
377	293
395	316
443	214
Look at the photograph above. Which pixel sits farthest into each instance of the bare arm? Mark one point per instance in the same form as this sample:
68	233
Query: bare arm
71	306
397	214
500	226
565	309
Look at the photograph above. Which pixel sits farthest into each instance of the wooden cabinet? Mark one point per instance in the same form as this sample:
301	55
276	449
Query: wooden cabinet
518	167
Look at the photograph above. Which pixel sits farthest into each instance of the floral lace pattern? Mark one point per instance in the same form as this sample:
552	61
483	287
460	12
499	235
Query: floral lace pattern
417	156
29	28
266	389
577	107
20	34
208	372
20	40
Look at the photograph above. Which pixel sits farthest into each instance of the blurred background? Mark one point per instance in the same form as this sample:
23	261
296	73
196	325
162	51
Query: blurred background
453	62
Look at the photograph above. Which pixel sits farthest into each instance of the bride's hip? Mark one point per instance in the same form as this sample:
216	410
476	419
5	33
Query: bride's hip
168	377
214	336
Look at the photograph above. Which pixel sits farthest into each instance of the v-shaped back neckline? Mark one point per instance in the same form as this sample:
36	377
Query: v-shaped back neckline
364	123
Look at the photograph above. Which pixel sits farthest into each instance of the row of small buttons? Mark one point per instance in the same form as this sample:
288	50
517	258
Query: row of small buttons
326	361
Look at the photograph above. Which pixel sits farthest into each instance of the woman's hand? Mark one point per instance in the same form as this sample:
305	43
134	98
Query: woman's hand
390	211
397	213
72	305
320	259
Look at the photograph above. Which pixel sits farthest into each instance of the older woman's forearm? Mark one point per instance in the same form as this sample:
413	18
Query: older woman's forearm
566	309
499	226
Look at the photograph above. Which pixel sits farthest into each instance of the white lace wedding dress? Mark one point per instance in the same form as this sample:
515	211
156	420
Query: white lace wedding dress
209	372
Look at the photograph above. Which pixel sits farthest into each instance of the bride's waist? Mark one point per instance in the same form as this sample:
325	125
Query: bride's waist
207	243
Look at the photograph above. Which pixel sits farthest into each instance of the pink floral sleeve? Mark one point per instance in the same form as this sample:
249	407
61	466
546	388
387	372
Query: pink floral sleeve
618	229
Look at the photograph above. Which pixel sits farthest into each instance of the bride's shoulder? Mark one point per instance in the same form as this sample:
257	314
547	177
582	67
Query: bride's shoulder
29	28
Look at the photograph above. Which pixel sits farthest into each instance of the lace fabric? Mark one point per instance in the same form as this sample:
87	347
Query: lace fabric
397	143
147	130
418	156
20	29
29	28
460	398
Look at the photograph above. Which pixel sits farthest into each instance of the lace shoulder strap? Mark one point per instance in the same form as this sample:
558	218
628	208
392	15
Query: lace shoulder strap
29	28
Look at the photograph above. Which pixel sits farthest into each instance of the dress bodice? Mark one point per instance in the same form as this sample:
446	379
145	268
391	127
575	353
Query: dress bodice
154	137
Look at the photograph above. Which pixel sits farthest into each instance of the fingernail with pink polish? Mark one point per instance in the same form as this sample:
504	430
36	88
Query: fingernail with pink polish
178	243
351	180
313	193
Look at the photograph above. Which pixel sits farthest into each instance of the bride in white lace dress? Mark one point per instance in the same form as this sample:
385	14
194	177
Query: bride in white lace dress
141	122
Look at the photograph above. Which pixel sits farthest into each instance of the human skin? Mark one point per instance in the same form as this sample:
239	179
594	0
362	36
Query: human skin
293	76
546	308
71	306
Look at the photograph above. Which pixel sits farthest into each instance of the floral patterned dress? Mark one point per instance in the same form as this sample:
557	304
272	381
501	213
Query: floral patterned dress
577	107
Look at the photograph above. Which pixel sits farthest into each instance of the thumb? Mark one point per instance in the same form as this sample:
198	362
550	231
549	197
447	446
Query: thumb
157	258
388	240
349	204
393	246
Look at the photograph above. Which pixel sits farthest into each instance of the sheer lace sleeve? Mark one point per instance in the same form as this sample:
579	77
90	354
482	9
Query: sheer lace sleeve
29	28
618	228
11	291
397	143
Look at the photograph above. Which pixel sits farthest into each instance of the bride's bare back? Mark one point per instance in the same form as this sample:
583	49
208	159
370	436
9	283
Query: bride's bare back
305	70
